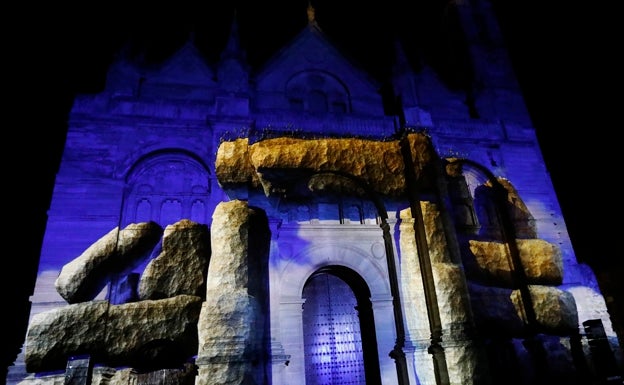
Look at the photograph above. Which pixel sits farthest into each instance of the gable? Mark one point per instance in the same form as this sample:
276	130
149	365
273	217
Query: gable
186	74
312	64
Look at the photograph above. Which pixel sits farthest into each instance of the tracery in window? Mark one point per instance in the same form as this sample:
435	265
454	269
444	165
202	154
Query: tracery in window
167	187
319	92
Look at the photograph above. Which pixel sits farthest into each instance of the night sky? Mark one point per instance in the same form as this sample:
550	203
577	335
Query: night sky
565	56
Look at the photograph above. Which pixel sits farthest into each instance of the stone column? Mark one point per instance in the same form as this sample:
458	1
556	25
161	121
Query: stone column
463	357
418	334
279	358
386	336
291	318
408	346
232	327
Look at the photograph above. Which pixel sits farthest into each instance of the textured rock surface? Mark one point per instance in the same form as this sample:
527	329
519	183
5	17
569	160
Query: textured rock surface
524	223
456	319
85	276
439	247
500	311
555	309
55	379
519	214
494	311
378	163
140	333
541	261
452	294
181	266
233	166
184	375
103	375
411	281
231	325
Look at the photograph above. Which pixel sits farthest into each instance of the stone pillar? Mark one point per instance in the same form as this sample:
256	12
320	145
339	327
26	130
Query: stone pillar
408	346
465	360
291	318
232	327
418	334
386	336
279	358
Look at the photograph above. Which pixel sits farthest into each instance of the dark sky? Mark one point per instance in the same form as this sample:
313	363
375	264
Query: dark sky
564	56
566	61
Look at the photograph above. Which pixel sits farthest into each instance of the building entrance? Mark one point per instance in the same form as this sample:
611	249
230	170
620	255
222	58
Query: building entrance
334	346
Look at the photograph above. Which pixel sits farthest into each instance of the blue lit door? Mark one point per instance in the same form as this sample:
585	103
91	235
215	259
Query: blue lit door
331	329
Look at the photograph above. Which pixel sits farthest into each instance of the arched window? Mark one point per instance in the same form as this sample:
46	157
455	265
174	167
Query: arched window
167	187
317	91
317	101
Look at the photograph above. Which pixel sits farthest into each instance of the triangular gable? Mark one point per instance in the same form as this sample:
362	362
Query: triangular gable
186	66
312	50
123	76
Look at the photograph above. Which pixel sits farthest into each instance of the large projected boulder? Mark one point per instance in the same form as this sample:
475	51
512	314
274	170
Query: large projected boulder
232	329
145	333
267	163
541	261
83	278
555	309
181	266
501	311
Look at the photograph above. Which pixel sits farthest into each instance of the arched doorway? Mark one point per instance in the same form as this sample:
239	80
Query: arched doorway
339	335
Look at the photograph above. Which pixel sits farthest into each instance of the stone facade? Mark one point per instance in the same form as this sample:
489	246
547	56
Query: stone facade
214	224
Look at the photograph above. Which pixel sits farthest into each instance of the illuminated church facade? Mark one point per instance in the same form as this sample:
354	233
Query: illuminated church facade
293	224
